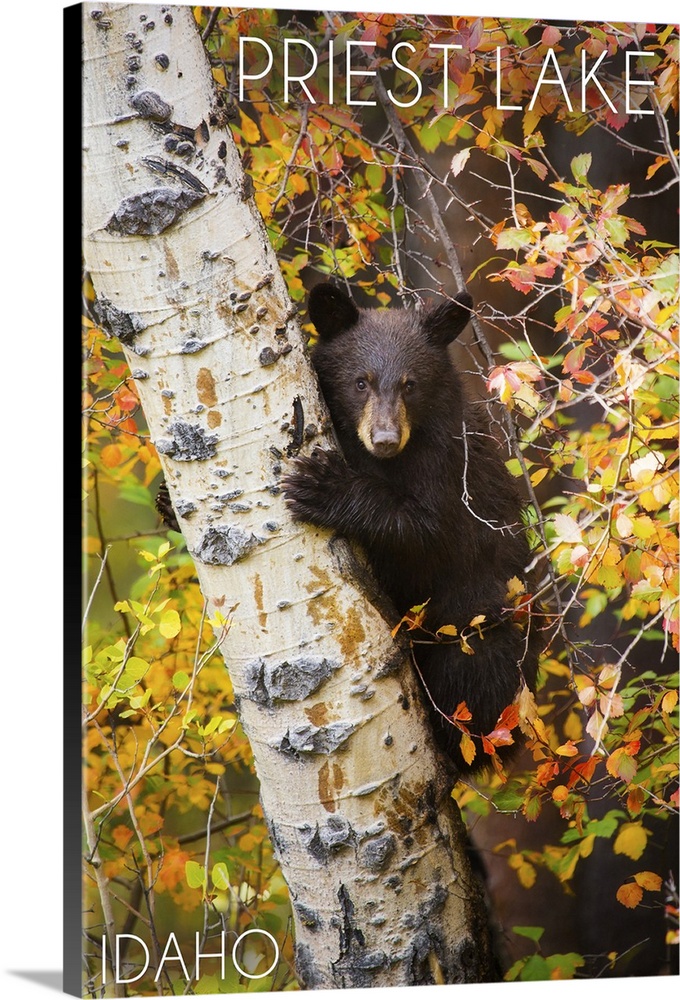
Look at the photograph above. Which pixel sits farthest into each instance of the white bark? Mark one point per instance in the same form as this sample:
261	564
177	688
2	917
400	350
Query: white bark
356	802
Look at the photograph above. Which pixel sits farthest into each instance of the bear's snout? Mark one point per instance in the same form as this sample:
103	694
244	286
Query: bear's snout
386	441
384	428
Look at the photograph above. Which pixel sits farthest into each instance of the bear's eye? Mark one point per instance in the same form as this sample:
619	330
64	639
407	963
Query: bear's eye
409	385
362	384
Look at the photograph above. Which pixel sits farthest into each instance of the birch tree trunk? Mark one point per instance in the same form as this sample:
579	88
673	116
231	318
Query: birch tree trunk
357	804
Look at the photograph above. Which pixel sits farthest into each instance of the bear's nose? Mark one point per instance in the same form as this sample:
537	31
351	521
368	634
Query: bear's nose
386	441
386	435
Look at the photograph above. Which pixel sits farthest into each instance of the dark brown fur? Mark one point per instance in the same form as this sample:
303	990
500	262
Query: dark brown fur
440	519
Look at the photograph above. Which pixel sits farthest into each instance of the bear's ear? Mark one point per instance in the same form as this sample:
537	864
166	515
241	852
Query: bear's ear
330	310
443	323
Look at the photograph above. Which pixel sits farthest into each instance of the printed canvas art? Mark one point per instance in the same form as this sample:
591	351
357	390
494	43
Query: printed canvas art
380	591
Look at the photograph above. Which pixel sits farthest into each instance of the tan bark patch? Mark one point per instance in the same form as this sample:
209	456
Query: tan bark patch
205	386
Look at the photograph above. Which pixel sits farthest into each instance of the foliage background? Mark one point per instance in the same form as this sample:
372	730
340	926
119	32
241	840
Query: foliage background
578	306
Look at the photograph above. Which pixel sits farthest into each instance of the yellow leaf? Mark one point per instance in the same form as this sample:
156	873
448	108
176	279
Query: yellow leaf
664	314
567	749
669	701
251	133
649	880
530	121
466	647
218	74
515	587
467	748
447	630
586	846
631	841
170	624
538	476
573	727
560	793
526	874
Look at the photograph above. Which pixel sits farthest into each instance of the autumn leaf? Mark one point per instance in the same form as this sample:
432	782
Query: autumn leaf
621	764
631	840
467	748
629	894
649	880
122	835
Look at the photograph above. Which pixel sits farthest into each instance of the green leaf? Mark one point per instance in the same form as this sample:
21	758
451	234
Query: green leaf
429	138
617	229
566	965
536	969
212	725
180	680
533	933
580	166
220	875
136	667
375	176
195	875
514	239
508	800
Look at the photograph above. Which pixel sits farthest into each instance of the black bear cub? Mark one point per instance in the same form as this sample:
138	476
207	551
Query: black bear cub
423	488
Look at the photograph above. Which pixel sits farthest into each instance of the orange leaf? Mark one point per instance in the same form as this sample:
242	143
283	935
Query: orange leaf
630	895
509	717
635	799
584	770
546	772
111	455
462	713
121	836
649	880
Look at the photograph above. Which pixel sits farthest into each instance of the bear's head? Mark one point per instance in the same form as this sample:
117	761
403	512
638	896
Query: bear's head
383	372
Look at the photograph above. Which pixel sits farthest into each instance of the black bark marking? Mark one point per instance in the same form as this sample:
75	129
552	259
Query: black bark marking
115	322
223	545
164	167
189	443
307	916
288	680
149	104
151	212
193	345
298	428
306	969
356	966
323	840
315	740
375	854
185	508
268	356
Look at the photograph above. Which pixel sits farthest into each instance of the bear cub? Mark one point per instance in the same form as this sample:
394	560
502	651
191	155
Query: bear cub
423	488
